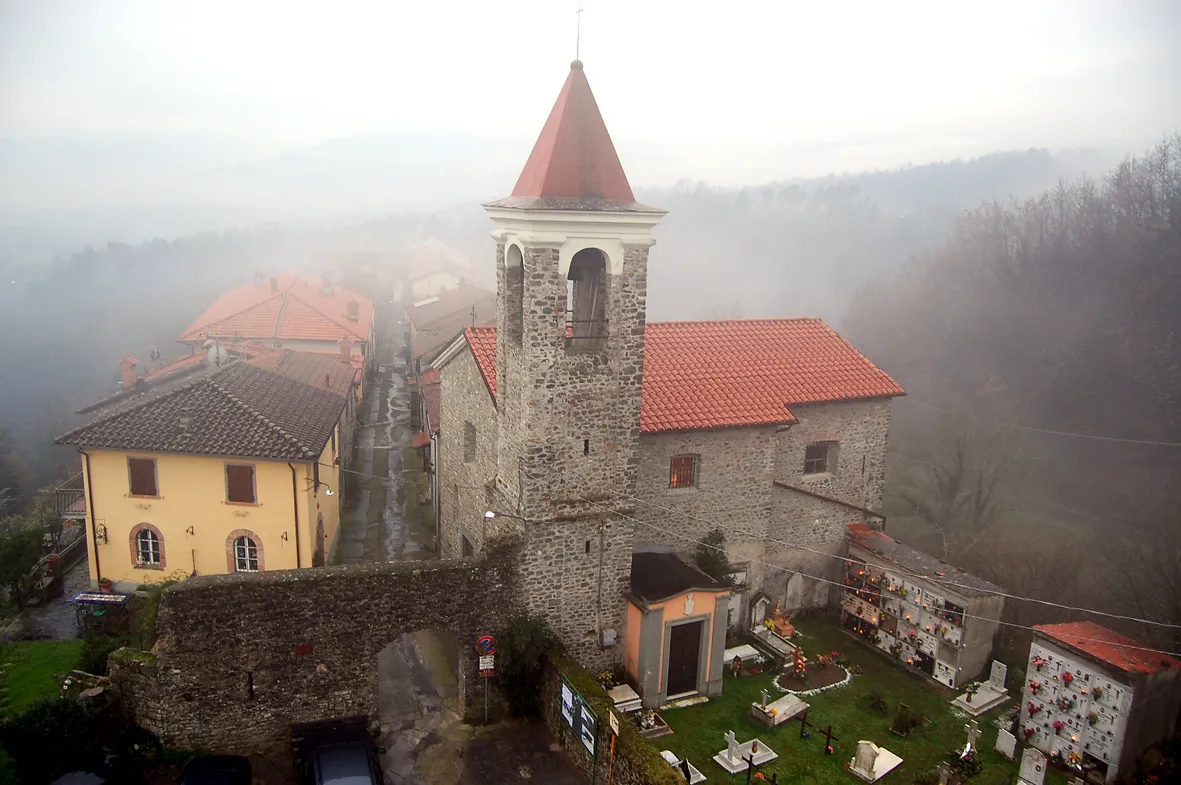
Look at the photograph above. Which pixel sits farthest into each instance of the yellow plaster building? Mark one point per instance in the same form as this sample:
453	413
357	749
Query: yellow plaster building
237	471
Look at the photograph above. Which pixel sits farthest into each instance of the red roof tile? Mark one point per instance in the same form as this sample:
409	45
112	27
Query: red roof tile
297	310
483	343
421	439
1109	646
574	157
732	373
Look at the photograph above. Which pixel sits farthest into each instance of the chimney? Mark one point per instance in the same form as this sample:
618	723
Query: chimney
127	372
185	419
274	286
327	380
354	310
346	350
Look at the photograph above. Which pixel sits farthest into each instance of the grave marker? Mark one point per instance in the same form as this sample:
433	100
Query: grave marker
996	678
1033	766
1006	744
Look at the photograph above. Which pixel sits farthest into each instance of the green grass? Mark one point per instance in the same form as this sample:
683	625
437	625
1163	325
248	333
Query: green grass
698	730
30	668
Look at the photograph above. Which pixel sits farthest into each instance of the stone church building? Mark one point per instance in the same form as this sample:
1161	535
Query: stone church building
604	435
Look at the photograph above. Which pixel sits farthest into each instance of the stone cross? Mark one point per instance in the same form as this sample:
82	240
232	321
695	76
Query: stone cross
731	746
973	731
766	697
944	771
996	677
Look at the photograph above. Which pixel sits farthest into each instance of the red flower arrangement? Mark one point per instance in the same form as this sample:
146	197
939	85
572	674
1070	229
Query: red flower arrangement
1038	662
1034	709
1058	726
1068	677
1035	686
1029	732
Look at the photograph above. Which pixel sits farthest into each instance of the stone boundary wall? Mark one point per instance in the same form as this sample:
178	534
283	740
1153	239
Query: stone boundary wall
637	761
239	658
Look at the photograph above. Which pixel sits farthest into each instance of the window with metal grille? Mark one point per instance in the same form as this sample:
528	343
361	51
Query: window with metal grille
469	442
245	555
142	474
682	471
240	483
816	457
147	547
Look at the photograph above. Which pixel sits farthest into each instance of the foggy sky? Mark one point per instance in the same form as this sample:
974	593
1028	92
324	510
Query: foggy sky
731	92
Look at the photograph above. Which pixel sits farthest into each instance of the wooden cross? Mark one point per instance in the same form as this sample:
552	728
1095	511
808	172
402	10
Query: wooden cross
804	725
828	738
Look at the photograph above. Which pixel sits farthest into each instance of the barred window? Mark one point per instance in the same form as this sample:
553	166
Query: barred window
682	471
817	457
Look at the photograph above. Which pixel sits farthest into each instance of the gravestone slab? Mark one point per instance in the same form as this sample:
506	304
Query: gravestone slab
996	677
777	712
1033	767
680	765
1006	744
734	758
870	762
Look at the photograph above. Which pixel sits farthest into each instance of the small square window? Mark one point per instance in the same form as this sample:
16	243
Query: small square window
819	457
682	471
240	484
142	474
469	442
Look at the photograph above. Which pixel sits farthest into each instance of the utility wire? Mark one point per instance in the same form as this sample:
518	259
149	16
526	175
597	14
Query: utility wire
866	591
902	571
1048	431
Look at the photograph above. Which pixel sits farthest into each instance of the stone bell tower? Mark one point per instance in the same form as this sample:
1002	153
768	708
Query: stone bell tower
572	257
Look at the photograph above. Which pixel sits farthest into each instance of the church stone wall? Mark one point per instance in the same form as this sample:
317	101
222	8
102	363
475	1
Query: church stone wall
464	398
734	473
860	429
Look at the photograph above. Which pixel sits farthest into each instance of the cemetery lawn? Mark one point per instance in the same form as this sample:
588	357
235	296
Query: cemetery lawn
29	669
698	730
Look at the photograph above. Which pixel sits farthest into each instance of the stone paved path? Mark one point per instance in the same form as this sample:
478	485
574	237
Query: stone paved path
55	619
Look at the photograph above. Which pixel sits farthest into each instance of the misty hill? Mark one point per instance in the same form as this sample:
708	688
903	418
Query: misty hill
776	250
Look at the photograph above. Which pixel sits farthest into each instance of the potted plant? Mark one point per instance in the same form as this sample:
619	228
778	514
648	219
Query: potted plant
105	585
973	688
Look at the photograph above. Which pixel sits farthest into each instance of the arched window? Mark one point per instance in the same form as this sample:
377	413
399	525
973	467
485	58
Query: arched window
586	301
244	551
147	547
514	292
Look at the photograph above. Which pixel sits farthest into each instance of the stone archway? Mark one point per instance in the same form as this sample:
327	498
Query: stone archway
242	657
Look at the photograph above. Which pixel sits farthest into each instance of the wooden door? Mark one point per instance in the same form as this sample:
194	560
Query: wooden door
684	651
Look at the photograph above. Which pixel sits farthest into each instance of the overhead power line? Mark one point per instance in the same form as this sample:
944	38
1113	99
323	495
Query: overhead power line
902	571
721	549
1048	431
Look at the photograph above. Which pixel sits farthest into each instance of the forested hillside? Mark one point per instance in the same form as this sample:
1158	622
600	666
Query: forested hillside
1061	313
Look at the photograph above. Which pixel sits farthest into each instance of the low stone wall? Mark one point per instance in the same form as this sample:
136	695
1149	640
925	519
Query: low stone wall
636	761
239	658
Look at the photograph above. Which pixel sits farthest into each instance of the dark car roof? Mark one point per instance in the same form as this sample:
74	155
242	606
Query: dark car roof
218	770
345	763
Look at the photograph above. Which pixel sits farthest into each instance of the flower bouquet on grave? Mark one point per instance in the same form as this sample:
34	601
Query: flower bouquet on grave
1035	686
1093	718
1038	662
1058	726
1029	732
1067	678
1098	693
1034	710
1065	704
973	688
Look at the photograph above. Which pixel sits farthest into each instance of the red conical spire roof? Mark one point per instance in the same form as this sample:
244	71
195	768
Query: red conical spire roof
574	158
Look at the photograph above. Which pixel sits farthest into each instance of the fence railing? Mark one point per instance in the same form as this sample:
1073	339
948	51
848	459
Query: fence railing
69	498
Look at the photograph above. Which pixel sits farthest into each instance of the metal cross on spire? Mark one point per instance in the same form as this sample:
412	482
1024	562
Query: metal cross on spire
578	30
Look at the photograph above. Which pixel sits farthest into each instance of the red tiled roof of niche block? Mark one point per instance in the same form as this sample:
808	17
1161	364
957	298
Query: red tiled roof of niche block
725	374
1109	646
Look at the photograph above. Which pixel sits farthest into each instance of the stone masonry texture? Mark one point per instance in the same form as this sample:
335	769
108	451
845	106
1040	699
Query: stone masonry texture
242	657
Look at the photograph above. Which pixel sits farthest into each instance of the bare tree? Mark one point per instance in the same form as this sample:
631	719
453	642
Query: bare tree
1144	578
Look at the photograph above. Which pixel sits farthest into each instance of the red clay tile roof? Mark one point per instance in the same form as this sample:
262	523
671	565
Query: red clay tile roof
315	369
442	318
732	373
574	157
1108	646
240	411
483	343
299	310
421	439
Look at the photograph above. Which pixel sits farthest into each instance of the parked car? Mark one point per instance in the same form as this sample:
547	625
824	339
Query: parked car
217	770
336	752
